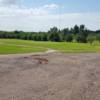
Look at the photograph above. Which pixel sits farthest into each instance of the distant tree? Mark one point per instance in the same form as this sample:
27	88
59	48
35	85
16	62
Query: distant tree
72	31
55	37
83	33
81	38
76	29
82	27
55	34
69	38
53	30
45	37
76	33
97	31
91	38
65	31
17	32
98	37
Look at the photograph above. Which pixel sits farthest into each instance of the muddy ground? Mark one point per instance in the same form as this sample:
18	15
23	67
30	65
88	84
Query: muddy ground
52	76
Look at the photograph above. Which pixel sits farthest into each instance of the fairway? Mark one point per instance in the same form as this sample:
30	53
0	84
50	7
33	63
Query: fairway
13	46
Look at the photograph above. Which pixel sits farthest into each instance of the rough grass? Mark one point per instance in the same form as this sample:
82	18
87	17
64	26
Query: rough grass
12	46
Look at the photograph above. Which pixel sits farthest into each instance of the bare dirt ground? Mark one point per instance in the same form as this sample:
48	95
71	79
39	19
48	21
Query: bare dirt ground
50	76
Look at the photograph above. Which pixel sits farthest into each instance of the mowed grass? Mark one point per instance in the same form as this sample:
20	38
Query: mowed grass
8	46
13	46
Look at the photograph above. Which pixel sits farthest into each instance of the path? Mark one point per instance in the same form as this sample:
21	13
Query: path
62	77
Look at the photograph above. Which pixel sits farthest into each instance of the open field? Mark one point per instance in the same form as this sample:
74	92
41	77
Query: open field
8	46
50	76
11	46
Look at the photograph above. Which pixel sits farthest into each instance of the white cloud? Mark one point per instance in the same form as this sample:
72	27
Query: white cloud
13	9
15	17
44	22
51	6
16	11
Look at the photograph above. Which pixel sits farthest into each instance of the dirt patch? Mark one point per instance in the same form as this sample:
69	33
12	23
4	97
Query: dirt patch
42	60
50	76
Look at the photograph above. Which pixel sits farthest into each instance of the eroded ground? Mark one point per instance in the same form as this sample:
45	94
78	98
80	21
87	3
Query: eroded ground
52	76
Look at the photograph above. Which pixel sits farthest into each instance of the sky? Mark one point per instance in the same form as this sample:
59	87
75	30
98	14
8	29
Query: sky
41	15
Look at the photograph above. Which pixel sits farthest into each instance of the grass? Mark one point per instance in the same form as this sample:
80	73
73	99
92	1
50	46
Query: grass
13	46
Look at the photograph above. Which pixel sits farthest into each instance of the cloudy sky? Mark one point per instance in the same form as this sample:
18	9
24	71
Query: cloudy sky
40	15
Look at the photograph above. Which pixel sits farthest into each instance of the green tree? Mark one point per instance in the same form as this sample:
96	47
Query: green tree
65	31
82	27
81	38
76	29
98	37
69	38
91	38
53	30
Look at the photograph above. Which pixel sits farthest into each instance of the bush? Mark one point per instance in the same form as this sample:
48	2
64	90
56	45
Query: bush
91	38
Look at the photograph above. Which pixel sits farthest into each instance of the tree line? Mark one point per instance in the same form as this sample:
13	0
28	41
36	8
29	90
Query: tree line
78	34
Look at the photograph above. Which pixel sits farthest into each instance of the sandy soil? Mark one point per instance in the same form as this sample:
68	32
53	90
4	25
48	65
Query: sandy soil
50	76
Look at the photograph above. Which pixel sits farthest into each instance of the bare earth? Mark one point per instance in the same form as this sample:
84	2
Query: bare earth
50	76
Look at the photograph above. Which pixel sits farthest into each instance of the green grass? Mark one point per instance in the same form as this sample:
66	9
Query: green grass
11	46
